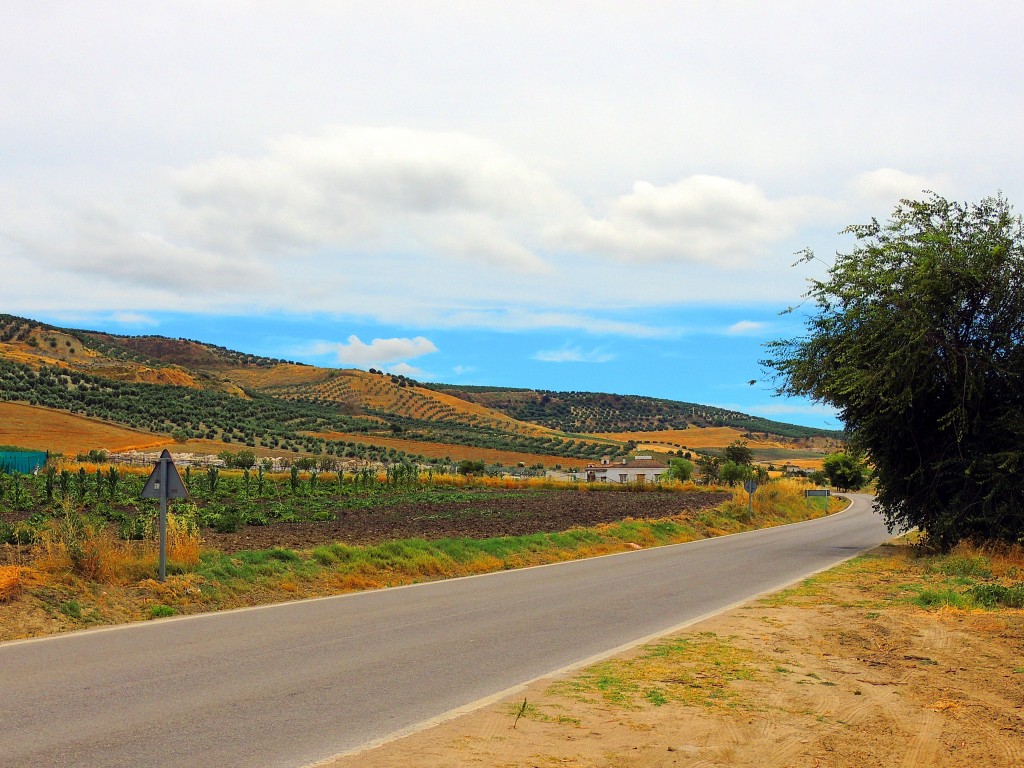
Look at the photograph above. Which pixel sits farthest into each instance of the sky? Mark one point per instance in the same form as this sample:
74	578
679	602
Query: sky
594	196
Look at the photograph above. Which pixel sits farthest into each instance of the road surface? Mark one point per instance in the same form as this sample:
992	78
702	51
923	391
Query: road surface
292	684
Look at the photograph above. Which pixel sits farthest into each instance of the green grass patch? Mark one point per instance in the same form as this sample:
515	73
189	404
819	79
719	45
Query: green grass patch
975	566
940	598
995	595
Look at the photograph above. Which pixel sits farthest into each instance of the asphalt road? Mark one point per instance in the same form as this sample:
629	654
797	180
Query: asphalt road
292	684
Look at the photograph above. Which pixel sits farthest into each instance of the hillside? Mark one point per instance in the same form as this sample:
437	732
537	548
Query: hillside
596	412
195	391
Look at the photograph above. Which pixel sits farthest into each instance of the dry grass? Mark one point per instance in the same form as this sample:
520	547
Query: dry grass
44	429
283	374
73	545
10	582
1004	561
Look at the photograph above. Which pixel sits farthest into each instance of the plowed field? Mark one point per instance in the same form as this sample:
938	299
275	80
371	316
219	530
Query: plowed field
497	513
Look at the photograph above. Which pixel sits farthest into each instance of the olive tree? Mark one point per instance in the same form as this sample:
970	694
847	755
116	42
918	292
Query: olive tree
917	338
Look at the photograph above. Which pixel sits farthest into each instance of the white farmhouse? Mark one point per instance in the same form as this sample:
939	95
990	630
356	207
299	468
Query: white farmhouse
642	469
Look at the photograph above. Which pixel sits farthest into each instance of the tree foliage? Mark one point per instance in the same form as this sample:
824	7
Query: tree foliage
732	472
918	340
679	469
739	452
845	472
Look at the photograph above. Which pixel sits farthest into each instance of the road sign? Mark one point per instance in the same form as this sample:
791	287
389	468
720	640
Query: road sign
165	483
817	492
171	488
750	486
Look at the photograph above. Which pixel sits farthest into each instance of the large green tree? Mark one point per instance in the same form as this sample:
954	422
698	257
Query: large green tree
917	338
844	471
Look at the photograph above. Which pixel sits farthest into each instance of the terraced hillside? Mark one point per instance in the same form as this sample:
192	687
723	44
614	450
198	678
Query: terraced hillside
597	412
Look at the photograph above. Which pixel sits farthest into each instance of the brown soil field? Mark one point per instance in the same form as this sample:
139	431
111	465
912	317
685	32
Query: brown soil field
485	514
455	452
29	426
837	673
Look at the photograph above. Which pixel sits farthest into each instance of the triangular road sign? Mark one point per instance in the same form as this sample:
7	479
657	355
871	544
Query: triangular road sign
175	488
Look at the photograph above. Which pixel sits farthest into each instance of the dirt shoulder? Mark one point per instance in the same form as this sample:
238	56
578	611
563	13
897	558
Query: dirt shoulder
845	670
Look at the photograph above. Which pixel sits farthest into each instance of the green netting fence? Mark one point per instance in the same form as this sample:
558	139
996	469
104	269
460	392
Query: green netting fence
25	462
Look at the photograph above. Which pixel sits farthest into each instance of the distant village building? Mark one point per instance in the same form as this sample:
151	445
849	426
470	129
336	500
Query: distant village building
642	469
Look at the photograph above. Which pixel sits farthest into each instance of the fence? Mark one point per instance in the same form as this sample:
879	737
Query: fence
25	462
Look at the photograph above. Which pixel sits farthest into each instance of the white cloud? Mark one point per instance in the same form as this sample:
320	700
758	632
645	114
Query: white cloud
885	187
404	369
373	189
569	354
745	328
792	407
697	219
133	318
357	352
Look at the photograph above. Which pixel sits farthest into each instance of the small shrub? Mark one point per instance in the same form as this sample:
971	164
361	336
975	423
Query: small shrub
7	533
226	522
161	611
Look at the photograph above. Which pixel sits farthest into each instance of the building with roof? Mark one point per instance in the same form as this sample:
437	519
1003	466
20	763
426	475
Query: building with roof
641	469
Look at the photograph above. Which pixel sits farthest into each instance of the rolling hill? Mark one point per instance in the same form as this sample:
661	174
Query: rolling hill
189	390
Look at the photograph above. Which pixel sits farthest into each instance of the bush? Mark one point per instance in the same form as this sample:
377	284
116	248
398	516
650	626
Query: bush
991	595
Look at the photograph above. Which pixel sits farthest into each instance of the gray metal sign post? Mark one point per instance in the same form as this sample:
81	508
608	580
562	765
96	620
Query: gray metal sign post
165	483
818	492
750	486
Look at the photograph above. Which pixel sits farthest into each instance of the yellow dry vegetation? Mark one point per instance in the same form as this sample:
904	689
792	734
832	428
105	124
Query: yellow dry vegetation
10	582
280	375
44	429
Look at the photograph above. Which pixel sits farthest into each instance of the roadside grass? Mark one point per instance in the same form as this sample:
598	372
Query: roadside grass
969	578
76	560
694	670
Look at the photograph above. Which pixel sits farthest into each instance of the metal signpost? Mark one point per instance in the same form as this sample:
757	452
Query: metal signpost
750	486
818	492
165	483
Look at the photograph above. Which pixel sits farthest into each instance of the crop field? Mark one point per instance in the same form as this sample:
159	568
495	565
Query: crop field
253	510
477	513
44	429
